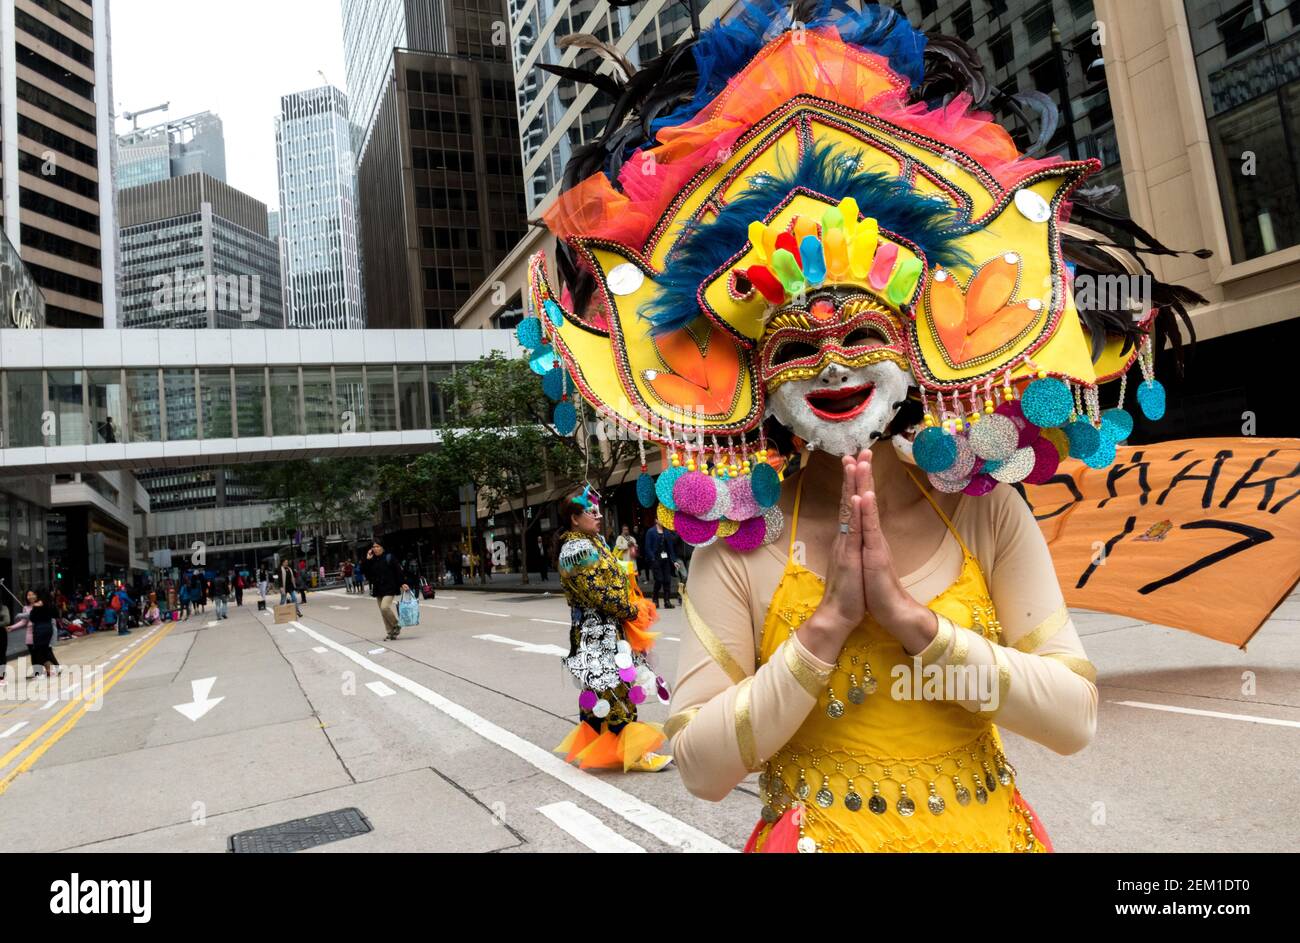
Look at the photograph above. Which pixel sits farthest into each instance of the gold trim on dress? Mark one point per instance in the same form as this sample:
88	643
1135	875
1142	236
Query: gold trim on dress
745	727
1044	631
1004	677
809	678
676	723
712	644
1080	666
939	644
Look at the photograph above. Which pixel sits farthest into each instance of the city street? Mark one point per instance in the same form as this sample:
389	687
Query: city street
442	739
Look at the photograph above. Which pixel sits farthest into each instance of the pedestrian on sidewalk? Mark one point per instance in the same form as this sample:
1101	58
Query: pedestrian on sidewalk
388	582
660	552
262	579
221	596
186	597
542	557
288	587
239	589
347	577
42	619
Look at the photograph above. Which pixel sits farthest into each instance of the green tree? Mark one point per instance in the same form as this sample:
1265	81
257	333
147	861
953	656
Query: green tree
509	444
310	495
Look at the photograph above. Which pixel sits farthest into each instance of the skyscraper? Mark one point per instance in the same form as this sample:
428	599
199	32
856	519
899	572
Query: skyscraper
318	220
440	191
56	183
194	144
196	253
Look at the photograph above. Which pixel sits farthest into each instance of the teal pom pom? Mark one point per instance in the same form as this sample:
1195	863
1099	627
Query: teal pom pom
529	333
766	485
1047	402
934	450
664	486
1117	423
565	418
542	361
554	312
553	385
1084	439
1104	454
645	490
1151	398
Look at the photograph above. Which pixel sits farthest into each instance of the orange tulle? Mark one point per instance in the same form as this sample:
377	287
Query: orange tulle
637	630
579	738
608	750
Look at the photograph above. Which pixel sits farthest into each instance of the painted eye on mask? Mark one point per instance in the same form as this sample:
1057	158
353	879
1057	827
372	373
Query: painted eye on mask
865	337
794	350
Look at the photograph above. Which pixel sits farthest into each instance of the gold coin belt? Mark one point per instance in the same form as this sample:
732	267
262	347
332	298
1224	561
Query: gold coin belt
973	771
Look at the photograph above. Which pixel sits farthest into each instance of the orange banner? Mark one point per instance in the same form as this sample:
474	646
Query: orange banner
1198	534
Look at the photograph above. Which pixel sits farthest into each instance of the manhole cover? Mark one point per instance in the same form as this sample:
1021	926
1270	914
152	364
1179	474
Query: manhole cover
301	834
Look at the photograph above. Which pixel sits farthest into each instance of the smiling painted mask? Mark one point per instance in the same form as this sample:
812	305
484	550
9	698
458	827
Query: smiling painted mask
814	232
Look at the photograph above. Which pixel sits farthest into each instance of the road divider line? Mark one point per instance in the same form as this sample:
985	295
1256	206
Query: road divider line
483	612
34	735
14	729
118	673
551	621
669	830
1249	718
587	829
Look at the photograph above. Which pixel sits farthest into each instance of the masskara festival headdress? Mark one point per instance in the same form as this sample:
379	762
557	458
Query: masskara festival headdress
827	189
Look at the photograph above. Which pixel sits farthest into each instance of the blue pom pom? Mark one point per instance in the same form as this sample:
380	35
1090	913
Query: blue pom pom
934	449
766	485
529	333
1151	398
664	486
554	312
1117	423
1084	439
553	384
565	418
543	360
1047	402
645	490
1104	454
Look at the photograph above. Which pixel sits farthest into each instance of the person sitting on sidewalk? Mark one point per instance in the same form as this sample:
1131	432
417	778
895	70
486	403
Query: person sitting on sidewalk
387	583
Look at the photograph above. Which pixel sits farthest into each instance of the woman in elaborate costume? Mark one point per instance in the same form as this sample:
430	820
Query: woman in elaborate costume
843	303
609	648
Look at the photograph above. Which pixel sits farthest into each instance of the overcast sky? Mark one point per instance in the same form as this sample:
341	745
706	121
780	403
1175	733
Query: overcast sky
233	57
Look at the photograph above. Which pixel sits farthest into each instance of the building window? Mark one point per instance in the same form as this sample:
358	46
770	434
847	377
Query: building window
1250	84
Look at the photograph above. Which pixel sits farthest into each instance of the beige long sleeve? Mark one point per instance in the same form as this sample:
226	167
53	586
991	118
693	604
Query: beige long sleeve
727	717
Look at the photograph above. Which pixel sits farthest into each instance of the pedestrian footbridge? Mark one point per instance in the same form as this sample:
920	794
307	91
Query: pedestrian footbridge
90	400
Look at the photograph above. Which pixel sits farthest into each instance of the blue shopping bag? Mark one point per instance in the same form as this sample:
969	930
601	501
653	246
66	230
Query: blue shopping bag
408	610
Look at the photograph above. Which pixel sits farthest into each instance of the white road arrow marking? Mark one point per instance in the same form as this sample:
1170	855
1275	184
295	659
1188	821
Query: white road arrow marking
202	703
525	646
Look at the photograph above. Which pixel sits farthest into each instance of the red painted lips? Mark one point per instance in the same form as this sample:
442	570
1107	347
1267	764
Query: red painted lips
840	405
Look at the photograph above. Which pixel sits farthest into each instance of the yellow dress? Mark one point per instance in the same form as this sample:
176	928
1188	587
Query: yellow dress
871	772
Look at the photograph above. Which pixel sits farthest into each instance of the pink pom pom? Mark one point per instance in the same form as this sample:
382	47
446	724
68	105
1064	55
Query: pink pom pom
1046	461
980	484
636	694
743	505
748	536
693	530
1028	431
694	493
587	700
627	674
1009	408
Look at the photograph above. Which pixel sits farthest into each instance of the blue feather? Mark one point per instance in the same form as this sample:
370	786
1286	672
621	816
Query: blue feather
724	49
704	247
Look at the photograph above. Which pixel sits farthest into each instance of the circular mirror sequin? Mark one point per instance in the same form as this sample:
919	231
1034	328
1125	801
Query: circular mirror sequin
853	801
825	798
936	805
963	795
877	804
625	278
906	806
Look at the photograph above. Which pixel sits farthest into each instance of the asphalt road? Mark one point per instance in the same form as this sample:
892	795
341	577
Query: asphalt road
442	739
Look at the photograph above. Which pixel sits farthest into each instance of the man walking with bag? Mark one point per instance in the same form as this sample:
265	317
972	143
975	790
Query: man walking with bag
387	584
